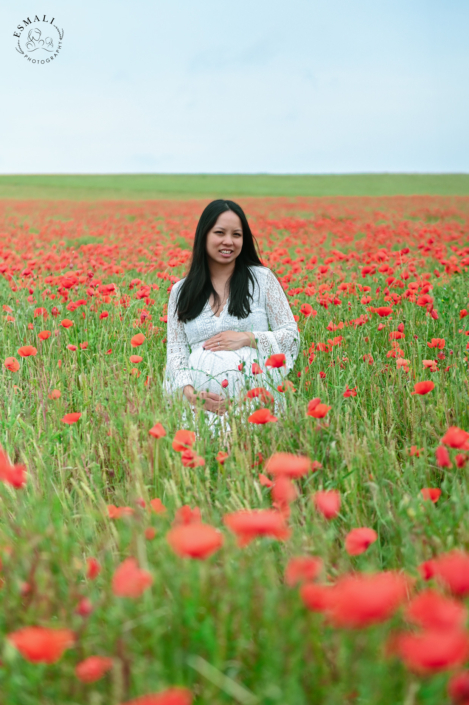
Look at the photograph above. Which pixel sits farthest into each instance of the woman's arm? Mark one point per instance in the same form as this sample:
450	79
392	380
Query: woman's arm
283	336
177	374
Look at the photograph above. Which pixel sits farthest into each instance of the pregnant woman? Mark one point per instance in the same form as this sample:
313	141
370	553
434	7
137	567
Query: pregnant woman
227	313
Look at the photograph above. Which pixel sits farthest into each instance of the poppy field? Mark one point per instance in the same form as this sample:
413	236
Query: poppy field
317	556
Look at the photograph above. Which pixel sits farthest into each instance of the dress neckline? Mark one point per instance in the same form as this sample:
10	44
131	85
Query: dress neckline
221	312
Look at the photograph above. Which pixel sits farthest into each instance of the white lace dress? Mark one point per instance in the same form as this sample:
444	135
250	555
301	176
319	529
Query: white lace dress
275	330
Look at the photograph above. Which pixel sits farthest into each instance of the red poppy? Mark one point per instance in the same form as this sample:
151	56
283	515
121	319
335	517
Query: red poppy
129	580
224	383
283	492
327	502
66	323
434	650
248	524
103	314
118	512
84	607
458	688
437	343
350	392
27	351
44	334
40	644
194	540
255	369
73	348
308	310
316	597
383	311
40	312
93	668
432	493
71	418
430	610
431	365
84	345
452	569
316	409
264	480
150	533
359	600
55	394
423	387
190	459
137	340
288	464
187	515
287	384
172	696
135	359
93	568
182	440
222	456
12	364
456	438
427	569
358	540
263	394
302	569
157	506
442	457
262	416
14	475
277	360
157	431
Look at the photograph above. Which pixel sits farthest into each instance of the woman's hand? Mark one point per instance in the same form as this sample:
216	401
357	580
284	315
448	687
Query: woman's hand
230	340
210	401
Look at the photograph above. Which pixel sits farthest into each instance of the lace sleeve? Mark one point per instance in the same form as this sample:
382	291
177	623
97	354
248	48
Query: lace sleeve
177	373
283	336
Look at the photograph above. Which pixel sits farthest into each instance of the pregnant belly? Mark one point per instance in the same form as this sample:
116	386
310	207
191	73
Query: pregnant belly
210	368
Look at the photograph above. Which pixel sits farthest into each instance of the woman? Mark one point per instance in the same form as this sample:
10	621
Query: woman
219	317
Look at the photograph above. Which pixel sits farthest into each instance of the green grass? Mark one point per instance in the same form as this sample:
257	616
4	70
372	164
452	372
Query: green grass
183	186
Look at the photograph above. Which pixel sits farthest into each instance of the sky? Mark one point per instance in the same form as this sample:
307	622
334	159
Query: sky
252	86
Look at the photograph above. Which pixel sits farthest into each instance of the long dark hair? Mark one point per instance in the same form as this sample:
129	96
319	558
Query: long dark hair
197	286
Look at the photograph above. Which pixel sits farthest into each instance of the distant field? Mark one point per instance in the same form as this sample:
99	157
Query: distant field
157	186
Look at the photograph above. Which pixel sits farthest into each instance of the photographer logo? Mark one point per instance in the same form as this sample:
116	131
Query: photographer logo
39	41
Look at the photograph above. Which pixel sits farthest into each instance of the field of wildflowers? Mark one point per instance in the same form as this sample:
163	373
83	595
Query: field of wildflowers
321	556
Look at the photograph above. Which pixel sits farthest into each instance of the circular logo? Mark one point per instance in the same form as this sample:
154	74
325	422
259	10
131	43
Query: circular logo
39	41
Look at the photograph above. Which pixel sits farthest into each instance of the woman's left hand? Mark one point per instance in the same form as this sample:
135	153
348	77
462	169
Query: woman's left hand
229	340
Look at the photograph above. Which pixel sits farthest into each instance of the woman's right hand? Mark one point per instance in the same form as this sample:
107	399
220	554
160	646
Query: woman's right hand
210	401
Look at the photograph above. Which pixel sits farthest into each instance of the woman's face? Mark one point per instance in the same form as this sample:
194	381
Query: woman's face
225	240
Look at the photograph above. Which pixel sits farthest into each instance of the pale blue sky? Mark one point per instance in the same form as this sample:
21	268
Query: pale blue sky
246	86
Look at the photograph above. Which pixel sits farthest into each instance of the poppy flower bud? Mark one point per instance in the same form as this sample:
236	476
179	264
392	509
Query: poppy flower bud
84	607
